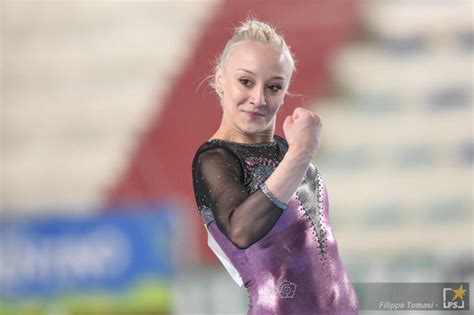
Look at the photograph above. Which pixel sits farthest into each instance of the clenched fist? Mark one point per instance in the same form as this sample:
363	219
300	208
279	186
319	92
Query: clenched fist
303	132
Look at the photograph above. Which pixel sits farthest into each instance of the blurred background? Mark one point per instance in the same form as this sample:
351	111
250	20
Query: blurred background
103	104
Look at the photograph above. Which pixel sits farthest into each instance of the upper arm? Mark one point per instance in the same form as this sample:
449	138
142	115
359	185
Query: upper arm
219	183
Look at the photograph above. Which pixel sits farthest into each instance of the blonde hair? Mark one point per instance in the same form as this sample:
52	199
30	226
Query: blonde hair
255	30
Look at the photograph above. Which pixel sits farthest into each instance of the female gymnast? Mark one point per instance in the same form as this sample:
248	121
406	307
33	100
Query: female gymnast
264	204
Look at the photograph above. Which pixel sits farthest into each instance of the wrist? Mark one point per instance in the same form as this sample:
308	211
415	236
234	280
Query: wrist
267	192
299	156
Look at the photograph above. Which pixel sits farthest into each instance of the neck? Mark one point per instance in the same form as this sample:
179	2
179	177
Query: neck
226	132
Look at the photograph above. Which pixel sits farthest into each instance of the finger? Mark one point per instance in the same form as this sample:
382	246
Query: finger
296	114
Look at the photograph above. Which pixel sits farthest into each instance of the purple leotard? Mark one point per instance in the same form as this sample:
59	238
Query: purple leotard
288	259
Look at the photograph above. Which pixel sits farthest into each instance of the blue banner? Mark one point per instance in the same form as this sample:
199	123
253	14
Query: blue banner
49	255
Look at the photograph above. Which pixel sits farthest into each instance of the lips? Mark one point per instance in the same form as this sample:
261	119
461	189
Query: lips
250	113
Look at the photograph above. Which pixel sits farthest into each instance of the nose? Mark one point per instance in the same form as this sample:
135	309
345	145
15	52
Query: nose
258	96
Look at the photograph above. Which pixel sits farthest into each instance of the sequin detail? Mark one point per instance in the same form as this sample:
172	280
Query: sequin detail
310	194
206	214
257	169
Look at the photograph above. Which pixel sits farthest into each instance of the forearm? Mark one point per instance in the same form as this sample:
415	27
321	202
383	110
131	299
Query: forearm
252	219
289	174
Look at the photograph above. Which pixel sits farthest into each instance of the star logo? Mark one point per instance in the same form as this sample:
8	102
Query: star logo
459	293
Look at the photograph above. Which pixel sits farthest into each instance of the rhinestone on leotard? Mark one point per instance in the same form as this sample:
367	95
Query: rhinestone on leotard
310	195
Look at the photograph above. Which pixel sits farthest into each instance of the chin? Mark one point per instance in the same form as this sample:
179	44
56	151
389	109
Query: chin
253	129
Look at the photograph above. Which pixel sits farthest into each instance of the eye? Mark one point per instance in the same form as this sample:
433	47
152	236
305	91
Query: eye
245	82
275	88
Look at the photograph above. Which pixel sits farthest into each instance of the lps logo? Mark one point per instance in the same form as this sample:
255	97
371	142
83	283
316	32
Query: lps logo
453	299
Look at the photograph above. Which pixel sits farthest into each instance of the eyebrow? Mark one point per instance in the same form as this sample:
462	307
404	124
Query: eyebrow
248	71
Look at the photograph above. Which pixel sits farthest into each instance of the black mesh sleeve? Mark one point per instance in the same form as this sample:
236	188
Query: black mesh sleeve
218	184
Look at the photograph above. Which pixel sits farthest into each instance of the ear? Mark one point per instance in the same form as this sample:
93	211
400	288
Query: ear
218	77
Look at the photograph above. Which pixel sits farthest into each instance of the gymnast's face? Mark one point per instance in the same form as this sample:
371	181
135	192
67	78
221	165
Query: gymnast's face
254	81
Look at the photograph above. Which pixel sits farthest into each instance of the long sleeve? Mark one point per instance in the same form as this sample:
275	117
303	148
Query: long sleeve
219	184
